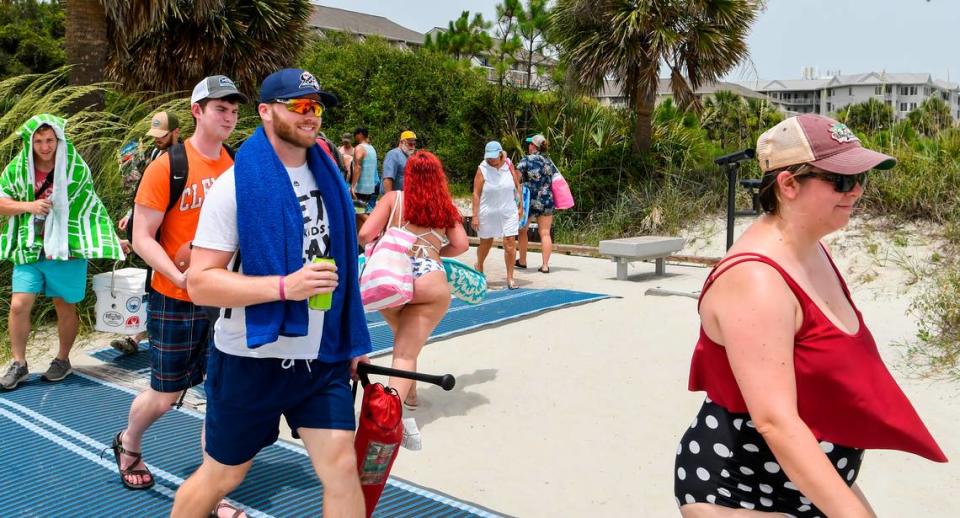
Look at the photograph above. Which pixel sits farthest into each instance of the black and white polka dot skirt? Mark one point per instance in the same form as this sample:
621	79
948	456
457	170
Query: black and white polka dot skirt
723	460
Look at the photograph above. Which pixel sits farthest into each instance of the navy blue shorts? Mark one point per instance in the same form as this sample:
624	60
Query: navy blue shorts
247	396
178	333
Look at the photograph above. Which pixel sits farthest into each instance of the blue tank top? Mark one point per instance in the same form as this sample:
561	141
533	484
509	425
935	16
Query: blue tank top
368	171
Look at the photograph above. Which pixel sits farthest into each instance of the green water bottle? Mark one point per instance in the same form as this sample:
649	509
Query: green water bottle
321	301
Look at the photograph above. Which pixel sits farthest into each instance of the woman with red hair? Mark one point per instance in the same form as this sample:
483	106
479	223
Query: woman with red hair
429	213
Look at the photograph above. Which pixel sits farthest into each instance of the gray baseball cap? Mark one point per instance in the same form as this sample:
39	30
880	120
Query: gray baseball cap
215	87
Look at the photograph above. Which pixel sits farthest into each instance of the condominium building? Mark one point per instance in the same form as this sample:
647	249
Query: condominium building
902	92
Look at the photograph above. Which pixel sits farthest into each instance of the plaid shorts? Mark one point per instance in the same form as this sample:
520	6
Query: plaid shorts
179	332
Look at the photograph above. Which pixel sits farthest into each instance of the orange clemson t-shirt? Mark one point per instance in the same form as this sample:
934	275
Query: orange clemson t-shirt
180	224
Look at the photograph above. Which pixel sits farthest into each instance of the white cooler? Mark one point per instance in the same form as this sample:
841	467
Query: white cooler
121	301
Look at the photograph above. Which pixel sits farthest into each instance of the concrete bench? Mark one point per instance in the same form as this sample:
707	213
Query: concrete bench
628	249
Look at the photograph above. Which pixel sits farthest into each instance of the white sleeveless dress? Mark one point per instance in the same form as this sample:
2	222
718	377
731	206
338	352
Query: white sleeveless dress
498	205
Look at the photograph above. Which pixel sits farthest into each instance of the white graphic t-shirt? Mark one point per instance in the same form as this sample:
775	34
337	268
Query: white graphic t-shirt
217	230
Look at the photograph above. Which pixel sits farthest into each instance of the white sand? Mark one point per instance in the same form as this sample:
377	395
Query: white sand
577	412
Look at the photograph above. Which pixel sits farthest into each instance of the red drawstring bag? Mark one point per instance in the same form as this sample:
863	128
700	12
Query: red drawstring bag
379	435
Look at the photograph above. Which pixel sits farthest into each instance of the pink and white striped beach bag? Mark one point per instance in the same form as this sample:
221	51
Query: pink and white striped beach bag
387	277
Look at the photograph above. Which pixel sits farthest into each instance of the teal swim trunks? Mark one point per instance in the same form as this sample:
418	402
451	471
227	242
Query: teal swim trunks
63	279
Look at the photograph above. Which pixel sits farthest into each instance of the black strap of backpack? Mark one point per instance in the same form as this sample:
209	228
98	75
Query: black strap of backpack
179	170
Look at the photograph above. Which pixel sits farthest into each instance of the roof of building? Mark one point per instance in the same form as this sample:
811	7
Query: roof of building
663	88
879	78
868	78
793	85
342	20
945	85
612	89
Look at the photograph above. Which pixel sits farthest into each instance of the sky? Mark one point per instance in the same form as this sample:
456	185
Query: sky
852	36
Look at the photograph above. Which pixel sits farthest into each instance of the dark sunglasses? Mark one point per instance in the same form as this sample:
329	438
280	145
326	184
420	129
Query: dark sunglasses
842	183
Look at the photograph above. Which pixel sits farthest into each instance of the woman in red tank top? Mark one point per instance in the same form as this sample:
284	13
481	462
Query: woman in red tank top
796	389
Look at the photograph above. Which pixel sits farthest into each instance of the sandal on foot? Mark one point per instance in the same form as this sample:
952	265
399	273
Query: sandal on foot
125	345
118	450
237	512
518	265
512	286
411	403
542	270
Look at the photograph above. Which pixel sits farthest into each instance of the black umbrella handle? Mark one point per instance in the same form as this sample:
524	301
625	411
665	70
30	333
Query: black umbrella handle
445	381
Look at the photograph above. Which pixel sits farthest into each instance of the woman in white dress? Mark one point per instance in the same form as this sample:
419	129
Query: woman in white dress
496	209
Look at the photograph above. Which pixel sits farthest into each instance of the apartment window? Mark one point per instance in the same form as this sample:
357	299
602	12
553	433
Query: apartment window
830	92
913	106
926	90
877	90
903	107
850	91
913	90
902	90
889	89
945	96
829	107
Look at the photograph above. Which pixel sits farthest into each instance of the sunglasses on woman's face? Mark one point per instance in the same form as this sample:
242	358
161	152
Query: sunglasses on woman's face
842	183
302	106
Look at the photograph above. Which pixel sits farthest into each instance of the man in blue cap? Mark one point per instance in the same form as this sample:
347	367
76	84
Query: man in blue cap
276	229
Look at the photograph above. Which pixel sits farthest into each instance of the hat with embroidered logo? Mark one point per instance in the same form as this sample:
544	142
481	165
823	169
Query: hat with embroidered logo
293	83
819	141
216	87
162	124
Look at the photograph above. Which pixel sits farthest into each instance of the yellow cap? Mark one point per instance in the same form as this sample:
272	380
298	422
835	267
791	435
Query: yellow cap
408	135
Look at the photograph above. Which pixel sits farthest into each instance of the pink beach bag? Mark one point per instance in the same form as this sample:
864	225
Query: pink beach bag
562	197
387	277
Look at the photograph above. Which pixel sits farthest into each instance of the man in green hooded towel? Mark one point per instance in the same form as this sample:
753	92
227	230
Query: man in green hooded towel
55	223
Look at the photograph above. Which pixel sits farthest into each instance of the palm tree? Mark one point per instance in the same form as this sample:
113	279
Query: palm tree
169	45
696	40
761	115
464	37
869	116
932	116
725	117
86	40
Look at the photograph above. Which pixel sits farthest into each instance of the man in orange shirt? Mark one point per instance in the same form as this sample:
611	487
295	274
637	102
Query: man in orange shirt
178	329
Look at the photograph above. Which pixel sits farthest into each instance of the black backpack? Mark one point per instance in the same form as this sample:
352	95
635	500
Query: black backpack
179	170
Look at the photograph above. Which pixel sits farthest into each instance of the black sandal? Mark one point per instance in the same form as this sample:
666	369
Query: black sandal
518	265
541	270
118	450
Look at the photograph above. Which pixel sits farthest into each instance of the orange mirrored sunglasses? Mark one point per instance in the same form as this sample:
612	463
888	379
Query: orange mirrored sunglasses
302	106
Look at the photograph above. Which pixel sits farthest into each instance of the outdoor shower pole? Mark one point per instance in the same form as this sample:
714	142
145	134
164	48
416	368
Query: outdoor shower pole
732	161
732	172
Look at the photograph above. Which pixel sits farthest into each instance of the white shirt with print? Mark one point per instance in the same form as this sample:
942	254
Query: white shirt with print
217	230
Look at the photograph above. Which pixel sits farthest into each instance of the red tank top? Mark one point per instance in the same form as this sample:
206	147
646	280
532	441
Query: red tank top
845	393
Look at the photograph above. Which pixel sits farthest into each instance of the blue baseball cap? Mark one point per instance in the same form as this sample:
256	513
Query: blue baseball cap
492	149
293	83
